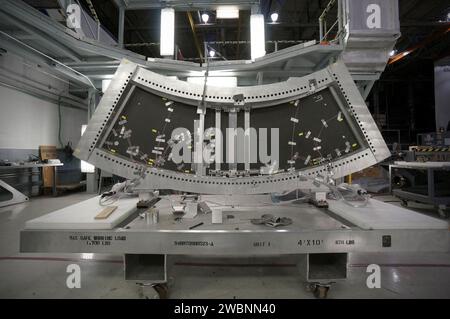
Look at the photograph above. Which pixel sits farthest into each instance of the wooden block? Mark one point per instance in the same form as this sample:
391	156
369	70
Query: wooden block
106	212
47	152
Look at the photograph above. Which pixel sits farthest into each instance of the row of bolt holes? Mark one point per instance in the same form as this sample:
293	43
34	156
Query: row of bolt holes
222	183
229	97
110	111
353	111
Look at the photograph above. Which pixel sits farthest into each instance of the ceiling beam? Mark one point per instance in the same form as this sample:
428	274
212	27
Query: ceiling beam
48	64
182	5
50	42
26	14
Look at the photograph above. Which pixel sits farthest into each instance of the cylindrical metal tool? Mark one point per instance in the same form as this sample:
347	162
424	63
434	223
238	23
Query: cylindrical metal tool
152	216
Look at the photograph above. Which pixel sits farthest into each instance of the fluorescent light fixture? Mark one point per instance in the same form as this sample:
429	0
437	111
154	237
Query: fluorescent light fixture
392	53
105	85
167	38
212	53
227	12
222	81
274	17
257	36
85	166
205	18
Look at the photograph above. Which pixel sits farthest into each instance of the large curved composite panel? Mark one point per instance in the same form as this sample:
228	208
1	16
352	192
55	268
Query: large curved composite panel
317	124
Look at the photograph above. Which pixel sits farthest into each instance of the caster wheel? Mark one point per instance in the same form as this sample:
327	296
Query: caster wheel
162	290
321	292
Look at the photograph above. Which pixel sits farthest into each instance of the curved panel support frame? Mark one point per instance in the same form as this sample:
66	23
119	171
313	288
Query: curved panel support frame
130	76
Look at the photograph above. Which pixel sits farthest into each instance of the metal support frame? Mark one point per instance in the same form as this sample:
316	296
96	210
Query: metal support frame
315	231
130	75
17	197
186	6
323	30
231	243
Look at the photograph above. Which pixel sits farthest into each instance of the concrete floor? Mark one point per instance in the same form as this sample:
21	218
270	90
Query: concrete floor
44	275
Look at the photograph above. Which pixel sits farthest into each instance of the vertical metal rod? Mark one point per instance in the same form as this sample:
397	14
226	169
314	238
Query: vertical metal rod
247	154
121	25
219	139
232	125
54	191
340	21
198	136
320	29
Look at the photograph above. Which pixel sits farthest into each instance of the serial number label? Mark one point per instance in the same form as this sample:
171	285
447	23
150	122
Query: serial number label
193	243
310	242
98	240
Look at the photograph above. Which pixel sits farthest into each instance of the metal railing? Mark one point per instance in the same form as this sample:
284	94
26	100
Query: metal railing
324	31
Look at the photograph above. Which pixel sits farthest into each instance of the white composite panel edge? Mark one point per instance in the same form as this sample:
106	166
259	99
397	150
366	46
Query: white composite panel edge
380	215
81	216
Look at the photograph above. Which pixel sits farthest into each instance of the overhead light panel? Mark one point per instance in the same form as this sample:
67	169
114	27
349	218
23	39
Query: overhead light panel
257	36
212	53
227	12
167	38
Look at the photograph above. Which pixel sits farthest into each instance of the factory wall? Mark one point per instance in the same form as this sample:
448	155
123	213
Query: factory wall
29	117
27	120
